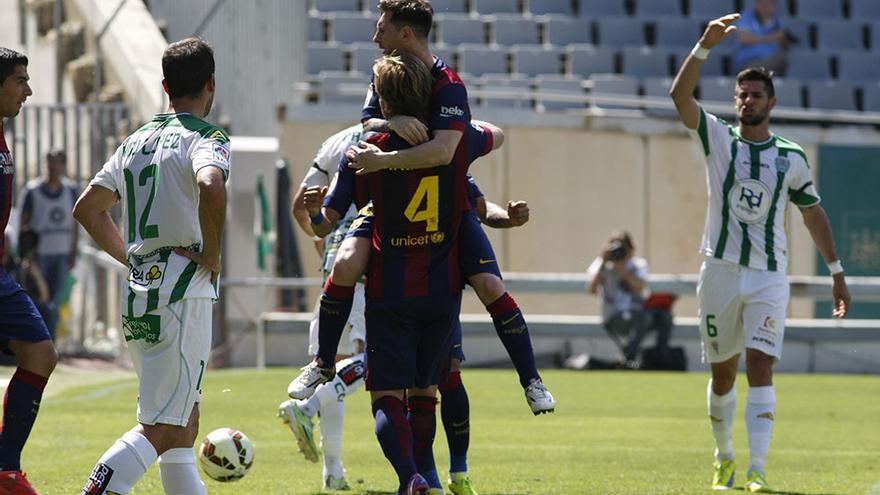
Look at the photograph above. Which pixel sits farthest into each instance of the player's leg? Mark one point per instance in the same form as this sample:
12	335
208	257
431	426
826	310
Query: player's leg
422	405
455	414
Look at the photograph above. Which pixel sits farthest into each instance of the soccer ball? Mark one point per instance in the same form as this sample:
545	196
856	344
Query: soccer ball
226	454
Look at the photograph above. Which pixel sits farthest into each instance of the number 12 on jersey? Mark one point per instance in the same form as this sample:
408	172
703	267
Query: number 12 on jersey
149	173
427	192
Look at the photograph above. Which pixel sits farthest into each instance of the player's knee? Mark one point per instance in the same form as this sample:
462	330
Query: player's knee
37	357
759	369
349	266
488	286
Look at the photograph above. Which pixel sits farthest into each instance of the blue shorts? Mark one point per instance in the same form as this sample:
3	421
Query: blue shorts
19	317
362	225
475	252
457	349
409	340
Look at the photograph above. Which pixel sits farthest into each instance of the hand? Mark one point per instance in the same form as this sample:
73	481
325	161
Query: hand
411	129
365	157
840	294
718	30
517	213
313	199
211	262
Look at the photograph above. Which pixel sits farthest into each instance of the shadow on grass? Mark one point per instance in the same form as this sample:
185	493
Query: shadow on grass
784	492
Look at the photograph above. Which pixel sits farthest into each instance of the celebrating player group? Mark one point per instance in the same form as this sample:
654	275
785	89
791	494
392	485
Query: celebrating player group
397	218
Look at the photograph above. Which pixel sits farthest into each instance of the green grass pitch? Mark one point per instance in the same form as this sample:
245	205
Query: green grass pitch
613	433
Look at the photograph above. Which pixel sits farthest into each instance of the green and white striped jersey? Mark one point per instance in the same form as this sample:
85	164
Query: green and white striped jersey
750	185
154	174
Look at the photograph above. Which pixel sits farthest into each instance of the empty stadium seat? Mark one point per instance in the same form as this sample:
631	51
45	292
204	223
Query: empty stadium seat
818	9
864	9
563	32
455	29
874	35
831	95
717	90
551	7
336	5
598	8
478	59
495	6
871	97
838	34
349	28
514	30
323	56
499	84
332	82
711	9
316	29
653	8
658	87
645	61
445	6
712	66
808	65
671	32
788	93
584	60
558	85
363	56
535	60
613	85
802	31
617	32
856	65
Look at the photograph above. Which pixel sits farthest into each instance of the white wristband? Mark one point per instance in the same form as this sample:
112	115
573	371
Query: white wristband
700	52
835	267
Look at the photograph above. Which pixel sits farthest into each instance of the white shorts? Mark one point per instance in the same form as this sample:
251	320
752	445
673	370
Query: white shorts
741	308
170	348
355	330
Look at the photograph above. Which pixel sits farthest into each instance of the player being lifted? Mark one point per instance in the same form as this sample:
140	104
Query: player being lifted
743	290
170	177
22	330
404	25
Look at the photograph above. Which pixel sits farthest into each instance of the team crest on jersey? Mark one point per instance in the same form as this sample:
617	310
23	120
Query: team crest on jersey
437	237
749	200
782	164
221	154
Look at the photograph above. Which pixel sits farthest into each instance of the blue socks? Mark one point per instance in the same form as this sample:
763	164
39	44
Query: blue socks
395	437
423	420
335	308
510	325
20	408
455	413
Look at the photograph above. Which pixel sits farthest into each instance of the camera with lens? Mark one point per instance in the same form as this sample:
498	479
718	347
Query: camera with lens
616	251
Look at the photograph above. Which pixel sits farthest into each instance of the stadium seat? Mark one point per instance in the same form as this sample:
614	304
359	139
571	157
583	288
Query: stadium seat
818	9
599	8
617	32
498	84
658	87
831	95
455	29
802	32
445	6
874	36
514	30
551	7
808	65
711	9
717	90
534	60
563	32
712	66
316	29
336	5
584	60
864	9
653	8
559	85
856	65
838	34
645	61
871	97
478	59
613	85
323	56
363	56
671	32
788	93
331	82
495	6
349	28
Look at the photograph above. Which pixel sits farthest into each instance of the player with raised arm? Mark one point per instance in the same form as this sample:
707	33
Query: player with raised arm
743	290
22	330
170	177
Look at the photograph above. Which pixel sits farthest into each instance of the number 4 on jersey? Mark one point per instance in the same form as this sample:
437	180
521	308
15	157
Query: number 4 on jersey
429	193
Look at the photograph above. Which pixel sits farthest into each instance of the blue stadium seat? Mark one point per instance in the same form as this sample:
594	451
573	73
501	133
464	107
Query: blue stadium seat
645	61
514	30
658	87
498	84
495	6
454	29
717	90
874	35
864	9
316	29
831	95
712	66
534	60
478	59
349	28
599	8
336	5
788	93
563	32
613	85
671	32
445	6
808	65
711	9
818	9
363	56
871	97
558	85
617	32
551	7
838	34
857	65
653	8
584	60
323	56
802	31
331	82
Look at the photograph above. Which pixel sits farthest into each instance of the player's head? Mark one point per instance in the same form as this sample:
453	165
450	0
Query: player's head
755	96
766	8
403	83
402	23
188	69
14	87
56	162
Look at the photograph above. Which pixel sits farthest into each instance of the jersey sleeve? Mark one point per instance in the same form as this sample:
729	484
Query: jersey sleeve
371	109
212	151
341	194
323	166
474	191
109	175
594	268
711	133
802	191
480	141
450	111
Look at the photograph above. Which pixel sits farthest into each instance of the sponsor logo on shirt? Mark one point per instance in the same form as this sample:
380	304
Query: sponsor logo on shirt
5	159
221	154
451	111
782	164
749	200
418	240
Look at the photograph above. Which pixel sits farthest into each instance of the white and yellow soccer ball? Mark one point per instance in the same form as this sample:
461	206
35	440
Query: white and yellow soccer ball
226	454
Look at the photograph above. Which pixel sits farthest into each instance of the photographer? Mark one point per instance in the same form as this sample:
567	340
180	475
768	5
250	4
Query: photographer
623	279
761	39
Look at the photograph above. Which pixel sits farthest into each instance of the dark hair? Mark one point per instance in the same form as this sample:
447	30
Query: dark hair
187	65
404	83
9	60
417	14
758	74
624	238
56	154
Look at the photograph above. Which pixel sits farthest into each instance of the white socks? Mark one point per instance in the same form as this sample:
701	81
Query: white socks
721	412
124	463
180	475
348	380
760	418
332	419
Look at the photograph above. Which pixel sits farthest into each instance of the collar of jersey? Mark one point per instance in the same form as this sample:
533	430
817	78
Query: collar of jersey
763	145
165	115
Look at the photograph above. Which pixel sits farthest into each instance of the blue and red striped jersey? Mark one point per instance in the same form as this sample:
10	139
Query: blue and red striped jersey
7	186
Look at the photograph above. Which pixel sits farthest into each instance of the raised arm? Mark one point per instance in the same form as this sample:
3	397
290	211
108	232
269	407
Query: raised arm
682	91
817	223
